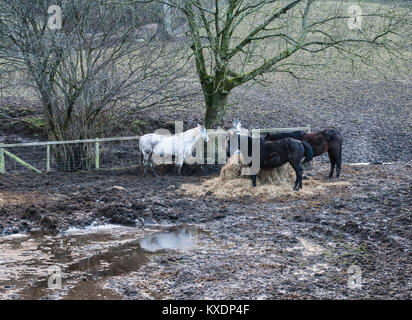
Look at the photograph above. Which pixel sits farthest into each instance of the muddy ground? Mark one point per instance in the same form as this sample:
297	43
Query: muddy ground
245	248
287	248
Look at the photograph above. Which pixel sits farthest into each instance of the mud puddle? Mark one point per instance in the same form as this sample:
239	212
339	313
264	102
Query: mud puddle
76	264
181	238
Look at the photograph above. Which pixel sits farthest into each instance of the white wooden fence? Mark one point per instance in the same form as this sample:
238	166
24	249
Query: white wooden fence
97	149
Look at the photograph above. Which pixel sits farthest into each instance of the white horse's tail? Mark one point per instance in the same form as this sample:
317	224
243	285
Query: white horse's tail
141	154
141	160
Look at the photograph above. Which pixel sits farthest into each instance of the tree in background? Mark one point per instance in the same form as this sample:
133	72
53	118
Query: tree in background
90	72
237	41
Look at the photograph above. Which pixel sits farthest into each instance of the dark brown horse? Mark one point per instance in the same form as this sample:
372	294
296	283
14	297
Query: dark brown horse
329	140
273	154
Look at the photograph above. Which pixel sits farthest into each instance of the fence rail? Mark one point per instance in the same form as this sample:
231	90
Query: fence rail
50	143
126	155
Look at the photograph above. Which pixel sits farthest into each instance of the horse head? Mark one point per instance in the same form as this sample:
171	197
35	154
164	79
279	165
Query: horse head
236	138
203	132
237	126
236	129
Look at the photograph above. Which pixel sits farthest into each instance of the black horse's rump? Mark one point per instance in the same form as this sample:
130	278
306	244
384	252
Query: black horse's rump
298	135
329	140
273	154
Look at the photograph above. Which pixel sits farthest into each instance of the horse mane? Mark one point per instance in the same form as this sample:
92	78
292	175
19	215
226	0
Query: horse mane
186	132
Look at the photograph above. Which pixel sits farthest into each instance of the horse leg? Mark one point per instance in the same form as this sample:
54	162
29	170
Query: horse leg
300	179
144	164
179	163
298	171
151	165
141	161
339	163
333	160
253	177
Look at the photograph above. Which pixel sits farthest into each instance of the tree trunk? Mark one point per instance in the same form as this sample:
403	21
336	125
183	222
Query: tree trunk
216	105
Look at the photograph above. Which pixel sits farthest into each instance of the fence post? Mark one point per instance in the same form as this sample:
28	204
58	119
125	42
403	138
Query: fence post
48	159
2	162
97	155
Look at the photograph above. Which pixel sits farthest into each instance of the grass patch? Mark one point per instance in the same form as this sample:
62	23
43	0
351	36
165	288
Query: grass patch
36	123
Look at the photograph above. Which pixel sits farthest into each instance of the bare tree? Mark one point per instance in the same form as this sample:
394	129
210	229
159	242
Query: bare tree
88	73
237	41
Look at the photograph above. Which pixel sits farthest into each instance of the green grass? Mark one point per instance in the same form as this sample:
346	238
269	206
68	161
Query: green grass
37	123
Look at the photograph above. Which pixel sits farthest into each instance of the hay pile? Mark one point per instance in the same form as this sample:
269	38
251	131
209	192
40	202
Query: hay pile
271	184
284	175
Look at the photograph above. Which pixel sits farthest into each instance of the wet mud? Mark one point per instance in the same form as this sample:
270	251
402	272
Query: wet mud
119	235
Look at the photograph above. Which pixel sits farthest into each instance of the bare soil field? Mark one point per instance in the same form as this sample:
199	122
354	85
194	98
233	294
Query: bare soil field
291	248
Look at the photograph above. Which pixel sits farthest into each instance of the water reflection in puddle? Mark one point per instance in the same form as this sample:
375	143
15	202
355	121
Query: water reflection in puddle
180	239
86	256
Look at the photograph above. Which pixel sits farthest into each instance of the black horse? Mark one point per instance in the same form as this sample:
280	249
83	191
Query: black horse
329	140
298	135
274	154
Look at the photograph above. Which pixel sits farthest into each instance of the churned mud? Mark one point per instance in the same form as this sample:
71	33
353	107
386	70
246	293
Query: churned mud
118	235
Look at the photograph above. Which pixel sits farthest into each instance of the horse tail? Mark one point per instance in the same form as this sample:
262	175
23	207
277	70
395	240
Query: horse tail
308	152
141	160
331	134
334	136
141	155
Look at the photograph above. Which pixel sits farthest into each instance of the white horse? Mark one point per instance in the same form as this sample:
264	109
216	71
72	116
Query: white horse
238	131
147	143
237	126
179	145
